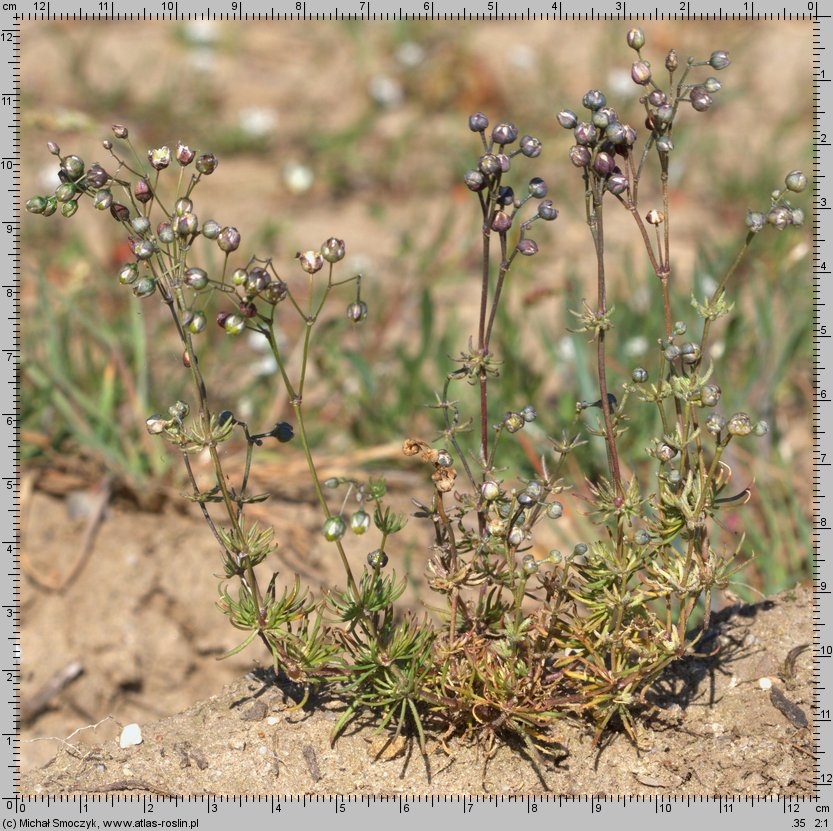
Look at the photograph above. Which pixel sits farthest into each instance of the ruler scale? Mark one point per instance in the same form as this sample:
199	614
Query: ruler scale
362	812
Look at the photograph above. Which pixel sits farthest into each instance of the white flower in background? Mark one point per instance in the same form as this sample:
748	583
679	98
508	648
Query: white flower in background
566	349
48	178
636	346
257	122
386	91
410	54
202	32
523	57
708	284
202	59
297	177
619	82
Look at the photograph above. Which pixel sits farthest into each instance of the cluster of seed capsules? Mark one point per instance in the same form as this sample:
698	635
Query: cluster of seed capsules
501	202
600	138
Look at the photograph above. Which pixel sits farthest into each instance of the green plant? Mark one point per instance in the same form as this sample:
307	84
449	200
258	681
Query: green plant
516	643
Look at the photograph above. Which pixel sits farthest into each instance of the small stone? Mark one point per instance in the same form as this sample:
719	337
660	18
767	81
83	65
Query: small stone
131	735
272	720
765	683
256	712
237	744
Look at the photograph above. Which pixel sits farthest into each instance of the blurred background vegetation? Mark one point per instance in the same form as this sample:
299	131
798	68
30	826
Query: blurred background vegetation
358	130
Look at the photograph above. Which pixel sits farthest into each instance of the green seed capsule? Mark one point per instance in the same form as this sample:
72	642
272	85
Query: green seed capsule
66	192
144	287
334	528
234	324
68	209
36	205
197	323
128	274
360	522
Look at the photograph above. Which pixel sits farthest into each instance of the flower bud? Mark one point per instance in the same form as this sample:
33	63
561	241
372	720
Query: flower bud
516	536
513	422
641	73
715	423
504	162
639	375
211	229
555	510
187	225
567	119
655	217
797	217
97	176
183	206
616	132
795	181
140	224
664	144
780	217
538	188
671	60
197	323
184	154
103	200
128	274
636	39
547	211
73	168
664	114
234	324
529	565
107	144
165	232
207	163
501	222
332	250
142	191
755	221
603	164
594	99
579	155
657	98
311	261
528	247
159	158
531	147
357	312
275	292
490	491
700	99
53	148
617	183
334	528
247	308
585	133
505	196
120	131
739	425
143	249
229	239
475	180
196	278
665	452
36	204
144	287
712	85
504	133
66	192
360	522
156	424
719	60
690	353
529	413
377	559
119	212
761	428
489	164
478	122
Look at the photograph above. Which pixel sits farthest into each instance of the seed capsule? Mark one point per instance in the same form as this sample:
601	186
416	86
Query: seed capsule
795	181
567	119
334	528
377	559
357	312
360	522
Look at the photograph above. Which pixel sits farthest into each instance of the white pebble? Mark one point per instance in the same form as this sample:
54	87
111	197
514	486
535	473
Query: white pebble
272	720
765	683
131	735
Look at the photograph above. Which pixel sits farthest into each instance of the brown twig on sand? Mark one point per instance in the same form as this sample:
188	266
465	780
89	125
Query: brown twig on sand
40	701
